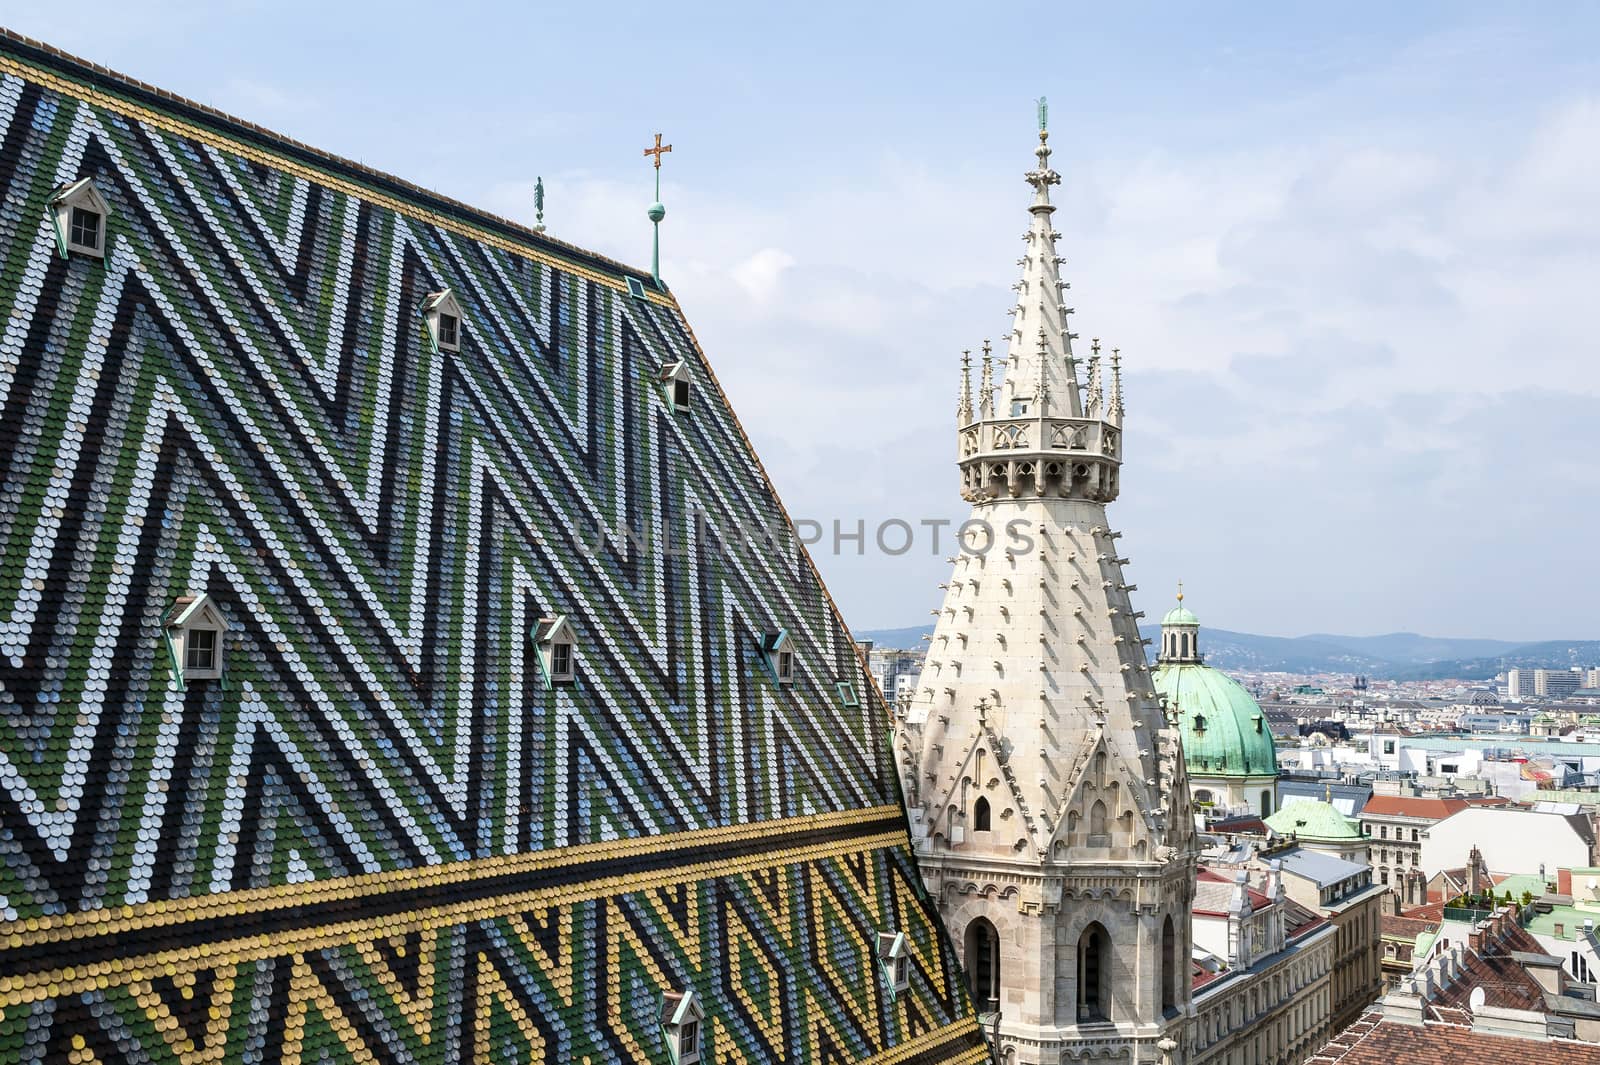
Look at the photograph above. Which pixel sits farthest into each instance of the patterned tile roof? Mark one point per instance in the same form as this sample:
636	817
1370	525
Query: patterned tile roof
388	830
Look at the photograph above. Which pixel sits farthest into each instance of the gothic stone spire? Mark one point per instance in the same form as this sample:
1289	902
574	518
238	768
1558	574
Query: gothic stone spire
1043	780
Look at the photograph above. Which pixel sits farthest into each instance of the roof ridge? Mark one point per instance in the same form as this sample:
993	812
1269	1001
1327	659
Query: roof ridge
72	64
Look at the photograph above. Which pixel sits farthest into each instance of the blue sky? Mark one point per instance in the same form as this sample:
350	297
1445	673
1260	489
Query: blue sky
1349	252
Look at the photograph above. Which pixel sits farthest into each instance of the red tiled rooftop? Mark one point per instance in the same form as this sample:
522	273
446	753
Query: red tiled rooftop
1407	806
1408	927
1428	911
1200	976
1504	981
1375	1041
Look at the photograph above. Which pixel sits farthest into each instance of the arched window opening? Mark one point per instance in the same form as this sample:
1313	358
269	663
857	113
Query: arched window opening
1094	961
983	965
980	815
1203	796
1266	803
1097	824
1169	967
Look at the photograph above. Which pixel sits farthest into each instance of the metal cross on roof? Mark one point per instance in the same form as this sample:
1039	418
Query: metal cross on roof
658	150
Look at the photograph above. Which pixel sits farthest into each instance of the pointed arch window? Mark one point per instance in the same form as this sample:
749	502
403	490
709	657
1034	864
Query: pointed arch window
80	214
1098	834
442	315
980	815
1094	964
982	955
1169	966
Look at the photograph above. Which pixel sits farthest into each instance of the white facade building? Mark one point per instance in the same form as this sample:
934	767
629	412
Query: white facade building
1266	993
1511	841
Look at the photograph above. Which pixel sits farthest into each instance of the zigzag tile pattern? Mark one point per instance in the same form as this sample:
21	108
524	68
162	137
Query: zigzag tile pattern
382	836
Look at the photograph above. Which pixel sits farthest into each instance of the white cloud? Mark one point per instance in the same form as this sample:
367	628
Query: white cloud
1335	345
761	274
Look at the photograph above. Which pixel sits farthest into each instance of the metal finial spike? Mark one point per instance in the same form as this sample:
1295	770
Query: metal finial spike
1044	116
538	205
657	210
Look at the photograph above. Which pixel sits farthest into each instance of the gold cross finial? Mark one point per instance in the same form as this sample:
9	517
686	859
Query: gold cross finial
658	150
1180	591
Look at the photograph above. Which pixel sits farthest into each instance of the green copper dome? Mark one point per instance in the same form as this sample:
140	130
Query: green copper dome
1224	732
1180	615
1315	820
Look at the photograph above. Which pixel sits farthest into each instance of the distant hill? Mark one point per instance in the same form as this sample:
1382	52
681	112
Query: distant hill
1281	654
909	639
1409	647
1550	654
1393	656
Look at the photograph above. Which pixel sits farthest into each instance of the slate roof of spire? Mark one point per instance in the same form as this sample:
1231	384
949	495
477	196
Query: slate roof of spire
382	834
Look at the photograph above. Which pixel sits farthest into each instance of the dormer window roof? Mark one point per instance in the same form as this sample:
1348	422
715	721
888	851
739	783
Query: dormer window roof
195	628
553	637
894	961
677	383
80	216
778	651
442	314
682	1020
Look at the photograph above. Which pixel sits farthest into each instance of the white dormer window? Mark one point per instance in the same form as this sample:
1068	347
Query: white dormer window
195	628
778	651
557	657
442	314
676	382
80	216
681	1022
894	961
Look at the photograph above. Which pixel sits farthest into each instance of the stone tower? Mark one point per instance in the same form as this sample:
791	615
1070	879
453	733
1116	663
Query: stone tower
1046	786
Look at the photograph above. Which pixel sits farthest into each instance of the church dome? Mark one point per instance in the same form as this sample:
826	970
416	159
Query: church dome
1180	615
1315	821
1225	733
